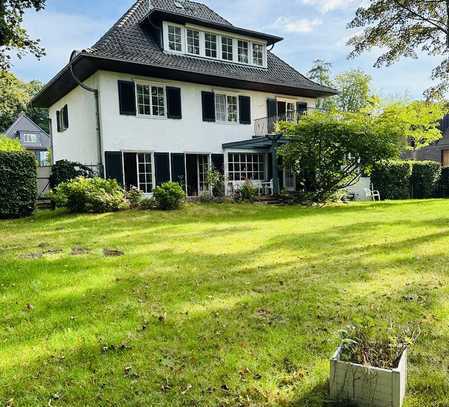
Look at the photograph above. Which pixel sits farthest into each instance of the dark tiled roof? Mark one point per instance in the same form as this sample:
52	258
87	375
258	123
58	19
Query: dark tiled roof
129	41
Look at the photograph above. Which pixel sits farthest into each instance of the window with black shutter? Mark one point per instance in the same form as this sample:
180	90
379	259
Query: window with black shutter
245	109
65	117
58	121
127	98
114	166
174	108
208	102
162	167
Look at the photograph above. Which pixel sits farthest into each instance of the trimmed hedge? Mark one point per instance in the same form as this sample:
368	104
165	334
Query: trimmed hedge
392	179
18	184
424	179
442	188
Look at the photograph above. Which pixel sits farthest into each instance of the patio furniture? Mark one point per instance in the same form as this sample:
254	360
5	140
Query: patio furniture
372	194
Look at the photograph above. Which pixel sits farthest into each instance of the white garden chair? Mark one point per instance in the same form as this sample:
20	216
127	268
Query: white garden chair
372	194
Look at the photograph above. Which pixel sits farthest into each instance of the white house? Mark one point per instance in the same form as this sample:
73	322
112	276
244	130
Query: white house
171	90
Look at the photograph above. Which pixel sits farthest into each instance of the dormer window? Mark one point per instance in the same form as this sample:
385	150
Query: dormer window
243	52
227	48
223	46
211	45
193	42
258	54
175	38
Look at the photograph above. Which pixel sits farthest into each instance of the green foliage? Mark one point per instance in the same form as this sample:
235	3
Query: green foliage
418	121
90	195
169	196
9	144
15	96
18	184
134	197
354	88
246	193
147	204
369	344
392	178
13	36
321	73
424	179
63	171
442	187
404	28
215	180
329	151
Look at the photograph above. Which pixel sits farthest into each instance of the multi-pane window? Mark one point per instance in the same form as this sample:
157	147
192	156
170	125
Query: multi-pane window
220	108
145	173
243	51
158	101
203	169
226	108
258	54
232	108
30	138
174	38
211	45
150	100
227	48
193	42
290	108
242	167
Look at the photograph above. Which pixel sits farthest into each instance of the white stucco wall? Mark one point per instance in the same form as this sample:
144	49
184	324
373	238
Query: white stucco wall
79	141
189	135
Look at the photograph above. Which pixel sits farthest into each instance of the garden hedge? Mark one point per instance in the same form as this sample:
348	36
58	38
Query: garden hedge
18	184
424	179
392	179
442	188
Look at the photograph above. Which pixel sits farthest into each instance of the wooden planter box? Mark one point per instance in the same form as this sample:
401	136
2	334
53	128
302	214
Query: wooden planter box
368	386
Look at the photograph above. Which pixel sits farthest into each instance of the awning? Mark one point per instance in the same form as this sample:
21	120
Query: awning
257	143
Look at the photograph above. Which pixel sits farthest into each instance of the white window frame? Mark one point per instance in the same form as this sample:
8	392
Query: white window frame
153	174
151	85
232	175
226	96
187	41
217	45
232	48
219	34
33	140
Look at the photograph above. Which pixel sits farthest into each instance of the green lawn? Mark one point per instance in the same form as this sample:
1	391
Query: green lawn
216	305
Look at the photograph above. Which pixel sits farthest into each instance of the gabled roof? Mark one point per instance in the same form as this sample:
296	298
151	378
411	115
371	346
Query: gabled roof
132	46
24	125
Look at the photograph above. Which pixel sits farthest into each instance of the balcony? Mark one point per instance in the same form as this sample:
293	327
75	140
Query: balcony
267	125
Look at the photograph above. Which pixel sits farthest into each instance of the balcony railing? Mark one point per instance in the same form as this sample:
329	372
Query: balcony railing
267	125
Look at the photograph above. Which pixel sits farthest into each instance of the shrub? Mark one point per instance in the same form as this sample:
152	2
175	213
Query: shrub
9	144
424	179
90	195
246	193
215	180
18	184
134	197
63	171
392	178
442	187
169	196
147	204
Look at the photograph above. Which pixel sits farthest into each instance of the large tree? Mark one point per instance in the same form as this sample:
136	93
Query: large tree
354	88
404	28
321	73
15	96
13	36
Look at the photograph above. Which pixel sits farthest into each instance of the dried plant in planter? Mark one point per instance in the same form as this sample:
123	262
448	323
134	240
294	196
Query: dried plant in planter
368	345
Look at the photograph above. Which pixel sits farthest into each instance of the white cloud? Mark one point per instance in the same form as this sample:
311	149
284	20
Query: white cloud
302	25
330	5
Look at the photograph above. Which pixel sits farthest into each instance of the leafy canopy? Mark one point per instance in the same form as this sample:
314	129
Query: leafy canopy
403	28
329	151
13	35
354	88
10	145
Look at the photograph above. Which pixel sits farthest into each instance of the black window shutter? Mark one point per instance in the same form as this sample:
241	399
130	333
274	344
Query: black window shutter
127	98
114	166
178	168
301	107
58	121
272	108
218	162
208	100
174	108
65	117
162	167
245	109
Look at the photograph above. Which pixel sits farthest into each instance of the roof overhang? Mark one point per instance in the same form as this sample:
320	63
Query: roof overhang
156	16
256	143
85	65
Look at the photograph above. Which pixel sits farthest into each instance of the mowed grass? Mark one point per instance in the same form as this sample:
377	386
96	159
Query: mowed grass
216	305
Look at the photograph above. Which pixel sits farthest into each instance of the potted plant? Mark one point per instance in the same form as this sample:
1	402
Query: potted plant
369	369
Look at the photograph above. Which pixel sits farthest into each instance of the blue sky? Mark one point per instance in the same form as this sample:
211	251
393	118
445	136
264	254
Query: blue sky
311	28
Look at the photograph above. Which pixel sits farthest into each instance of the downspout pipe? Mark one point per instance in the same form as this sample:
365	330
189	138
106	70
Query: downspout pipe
97	108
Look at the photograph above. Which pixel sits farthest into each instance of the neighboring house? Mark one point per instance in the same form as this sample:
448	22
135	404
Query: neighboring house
438	151
173	89
32	138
